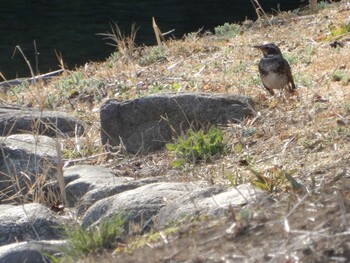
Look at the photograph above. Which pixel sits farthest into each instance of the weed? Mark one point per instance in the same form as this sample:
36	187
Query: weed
193	36
347	107
82	242
74	85
124	44
196	146
149	238
112	60
309	51
275	180
303	80
227	30
338	75
159	88
248	131
322	4
291	58
17	92
337	30
236	178
241	67
153	55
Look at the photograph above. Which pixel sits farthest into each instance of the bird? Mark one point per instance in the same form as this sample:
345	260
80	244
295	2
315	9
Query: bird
274	69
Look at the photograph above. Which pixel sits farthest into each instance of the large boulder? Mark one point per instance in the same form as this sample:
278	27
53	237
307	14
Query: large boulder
28	222
14	120
23	159
146	124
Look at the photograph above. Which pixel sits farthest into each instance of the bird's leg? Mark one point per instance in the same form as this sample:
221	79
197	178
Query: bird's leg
272	93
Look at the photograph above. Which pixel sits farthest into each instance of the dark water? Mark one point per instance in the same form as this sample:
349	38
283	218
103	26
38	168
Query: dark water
70	27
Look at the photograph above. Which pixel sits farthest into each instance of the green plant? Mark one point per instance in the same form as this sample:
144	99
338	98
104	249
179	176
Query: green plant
338	75
197	146
18	91
322	5
236	178
149	238
158	88
275	180
241	67
303	80
337	30
153	55
291	58
125	45
309	50
82	242
347	107
227	30
73	85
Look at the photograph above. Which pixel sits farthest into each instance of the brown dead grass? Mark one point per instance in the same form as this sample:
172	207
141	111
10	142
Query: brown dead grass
308	134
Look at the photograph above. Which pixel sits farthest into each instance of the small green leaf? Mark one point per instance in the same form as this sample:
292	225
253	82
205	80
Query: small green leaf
177	163
238	148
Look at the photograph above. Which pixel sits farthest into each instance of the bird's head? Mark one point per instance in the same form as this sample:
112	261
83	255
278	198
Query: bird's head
269	49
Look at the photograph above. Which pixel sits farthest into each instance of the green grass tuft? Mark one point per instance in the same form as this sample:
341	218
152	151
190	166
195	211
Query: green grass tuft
227	30
83	242
197	146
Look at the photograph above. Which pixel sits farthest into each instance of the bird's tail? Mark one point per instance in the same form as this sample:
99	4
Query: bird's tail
292	87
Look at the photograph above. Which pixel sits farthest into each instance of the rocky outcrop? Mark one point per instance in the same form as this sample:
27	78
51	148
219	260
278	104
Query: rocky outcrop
146	124
15	120
145	204
24	158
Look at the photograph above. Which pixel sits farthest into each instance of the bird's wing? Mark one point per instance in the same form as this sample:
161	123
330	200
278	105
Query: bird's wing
284	68
288	72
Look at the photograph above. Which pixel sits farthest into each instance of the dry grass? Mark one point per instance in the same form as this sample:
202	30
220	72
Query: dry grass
307	135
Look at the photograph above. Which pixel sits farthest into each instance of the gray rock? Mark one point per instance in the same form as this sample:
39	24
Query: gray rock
23	158
104	191
84	178
14	120
30	252
139	205
211	201
146	124
28	222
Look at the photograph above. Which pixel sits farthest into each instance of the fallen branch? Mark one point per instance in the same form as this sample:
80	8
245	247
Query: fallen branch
16	82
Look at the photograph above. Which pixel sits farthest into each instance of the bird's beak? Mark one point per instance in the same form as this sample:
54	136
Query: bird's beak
258	47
